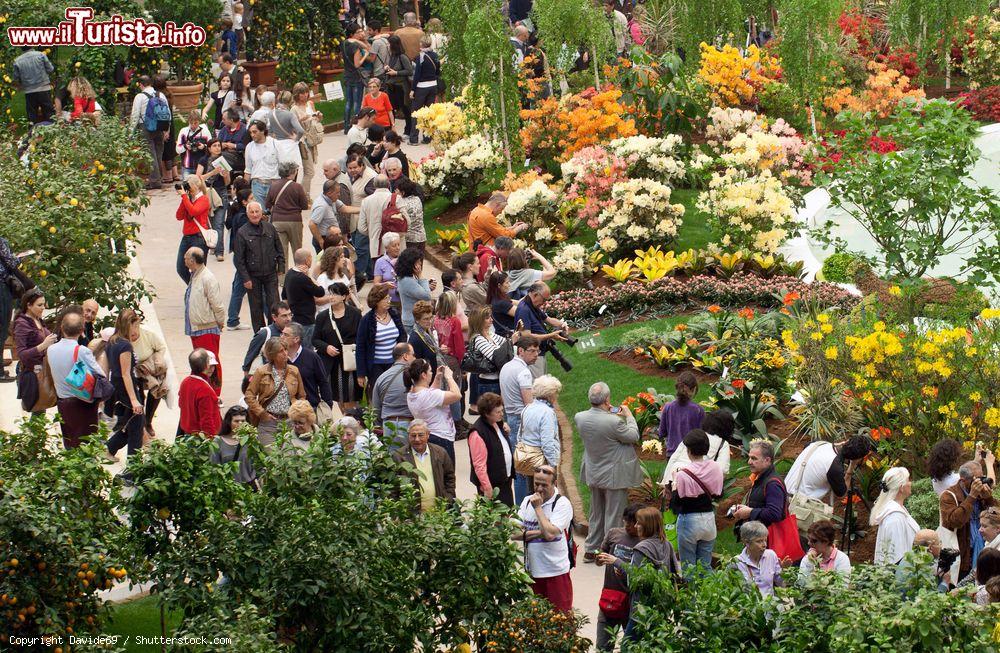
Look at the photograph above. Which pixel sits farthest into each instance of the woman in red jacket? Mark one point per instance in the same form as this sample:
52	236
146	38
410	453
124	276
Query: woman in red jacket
450	334
193	213
84	98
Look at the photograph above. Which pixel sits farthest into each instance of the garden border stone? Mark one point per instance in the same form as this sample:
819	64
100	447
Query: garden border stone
567	478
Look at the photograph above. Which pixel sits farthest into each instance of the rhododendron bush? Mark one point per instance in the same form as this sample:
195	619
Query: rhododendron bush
982	52
651	158
557	129
884	89
537	205
733	79
747	140
589	176
639	213
459	169
749	212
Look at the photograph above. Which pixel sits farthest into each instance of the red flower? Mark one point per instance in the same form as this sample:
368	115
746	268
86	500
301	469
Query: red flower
791	297
746	313
739	384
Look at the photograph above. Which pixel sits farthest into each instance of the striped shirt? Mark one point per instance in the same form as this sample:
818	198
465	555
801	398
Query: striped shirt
385	340
488	347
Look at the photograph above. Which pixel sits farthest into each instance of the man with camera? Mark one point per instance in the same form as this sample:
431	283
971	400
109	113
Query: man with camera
960	508
938	569
535	321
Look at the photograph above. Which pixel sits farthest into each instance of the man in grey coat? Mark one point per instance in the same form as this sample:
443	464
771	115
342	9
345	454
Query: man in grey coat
610	463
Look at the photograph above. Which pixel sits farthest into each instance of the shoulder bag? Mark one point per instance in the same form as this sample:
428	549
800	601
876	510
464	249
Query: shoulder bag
278	196
348	353
80	379
807	510
527	458
314	133
475	362
46	387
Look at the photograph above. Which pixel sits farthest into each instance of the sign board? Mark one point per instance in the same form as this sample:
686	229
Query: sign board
333	91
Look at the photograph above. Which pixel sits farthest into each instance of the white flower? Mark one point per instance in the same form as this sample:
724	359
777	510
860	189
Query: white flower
543	234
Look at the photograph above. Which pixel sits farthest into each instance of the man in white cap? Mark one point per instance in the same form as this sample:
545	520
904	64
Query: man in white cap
197	398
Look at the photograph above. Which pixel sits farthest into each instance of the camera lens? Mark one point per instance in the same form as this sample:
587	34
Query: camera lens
177	186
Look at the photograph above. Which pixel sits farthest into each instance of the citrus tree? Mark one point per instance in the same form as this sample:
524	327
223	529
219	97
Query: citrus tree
71	199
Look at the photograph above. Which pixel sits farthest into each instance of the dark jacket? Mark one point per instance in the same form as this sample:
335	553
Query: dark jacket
768	498
366	339
27	337
956	507
315	378
424	347
324	334
240	138
441	465
259	254
236	218
496	464
426	68
256	346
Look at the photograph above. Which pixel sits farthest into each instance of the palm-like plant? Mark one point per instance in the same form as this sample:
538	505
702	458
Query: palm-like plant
658	22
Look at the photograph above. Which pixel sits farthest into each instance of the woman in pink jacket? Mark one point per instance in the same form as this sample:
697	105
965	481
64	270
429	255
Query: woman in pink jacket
490	450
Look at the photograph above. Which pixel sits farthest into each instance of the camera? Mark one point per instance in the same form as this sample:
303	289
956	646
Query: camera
570	340
186	186
946	559
986	480
731	512
549	348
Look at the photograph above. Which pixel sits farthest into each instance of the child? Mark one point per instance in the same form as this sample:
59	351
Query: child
238	27
682	414
230	42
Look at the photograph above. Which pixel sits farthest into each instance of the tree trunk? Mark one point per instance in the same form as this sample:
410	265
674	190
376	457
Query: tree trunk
597	76
947	66
394	14
163	625
503	120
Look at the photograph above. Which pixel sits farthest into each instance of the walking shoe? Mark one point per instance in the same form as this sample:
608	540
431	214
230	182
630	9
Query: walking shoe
238	327
220	257
5	377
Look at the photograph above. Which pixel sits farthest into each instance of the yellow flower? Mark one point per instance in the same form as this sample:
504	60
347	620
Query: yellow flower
834	382
990	313
831	353
888	406
826	328
975	396
816	335
992	417
822	318
907	430
895	291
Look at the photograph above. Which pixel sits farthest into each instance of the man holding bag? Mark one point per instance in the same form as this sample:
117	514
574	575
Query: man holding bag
79	415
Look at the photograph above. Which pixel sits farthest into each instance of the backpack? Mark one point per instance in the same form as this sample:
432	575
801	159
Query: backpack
392	219
158	116
570	542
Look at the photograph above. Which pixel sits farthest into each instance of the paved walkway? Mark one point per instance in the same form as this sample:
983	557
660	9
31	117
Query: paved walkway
156	261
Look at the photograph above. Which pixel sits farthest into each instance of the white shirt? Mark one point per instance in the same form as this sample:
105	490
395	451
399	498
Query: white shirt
262	159
945	483
370	218
546	559
811	480
681	457
261	114
841	565
139	106
896	531
357	135
60	358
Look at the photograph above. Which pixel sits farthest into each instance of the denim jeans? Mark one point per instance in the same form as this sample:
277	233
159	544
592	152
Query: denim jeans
236	296
520	480
394	433
219	224
259	188
187	242
447	445
353	94
361	242
696	535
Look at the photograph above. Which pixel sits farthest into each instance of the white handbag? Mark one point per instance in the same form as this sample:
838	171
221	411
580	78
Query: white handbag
211	236
807	510
348	353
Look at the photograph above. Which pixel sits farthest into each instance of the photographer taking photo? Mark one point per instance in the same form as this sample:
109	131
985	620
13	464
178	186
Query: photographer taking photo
961	505
535	321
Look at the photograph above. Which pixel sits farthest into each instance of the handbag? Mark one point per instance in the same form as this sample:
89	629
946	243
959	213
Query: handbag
348	353
211	236
46	388
527	458
475	361
783	537
18	283
808	510
80	379
314	133
614	604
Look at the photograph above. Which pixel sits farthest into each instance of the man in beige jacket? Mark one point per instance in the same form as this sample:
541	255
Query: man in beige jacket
204	311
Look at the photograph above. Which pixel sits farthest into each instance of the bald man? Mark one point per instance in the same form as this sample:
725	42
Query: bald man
78	411
302	294
258	257
90	310
483	224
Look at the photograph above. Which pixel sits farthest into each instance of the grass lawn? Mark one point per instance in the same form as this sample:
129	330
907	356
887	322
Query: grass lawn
694	232
139	617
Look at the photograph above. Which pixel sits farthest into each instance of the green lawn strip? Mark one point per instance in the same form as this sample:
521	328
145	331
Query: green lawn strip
694	232
140	617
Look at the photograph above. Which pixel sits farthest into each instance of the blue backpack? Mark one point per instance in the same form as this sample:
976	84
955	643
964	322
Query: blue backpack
158	116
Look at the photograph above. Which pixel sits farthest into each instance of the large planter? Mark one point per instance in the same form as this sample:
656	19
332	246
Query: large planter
262	72
185	96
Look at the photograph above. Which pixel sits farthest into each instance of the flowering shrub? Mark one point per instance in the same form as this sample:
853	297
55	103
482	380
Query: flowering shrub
571	261
748	212
884	89
459	169
983	103
646	408
445	123
745	139
557	129
537	205
868	32
590	174
532	626
650	158
639	213
740	290
513	181
982	52
733	79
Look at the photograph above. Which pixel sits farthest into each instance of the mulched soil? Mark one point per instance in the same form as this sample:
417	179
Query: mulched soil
648	367
459	213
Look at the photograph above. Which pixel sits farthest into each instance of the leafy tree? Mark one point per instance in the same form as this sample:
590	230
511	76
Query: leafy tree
565	25
931	26
191	63
809	45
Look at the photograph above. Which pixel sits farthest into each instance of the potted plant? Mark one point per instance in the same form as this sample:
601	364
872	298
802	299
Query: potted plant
327	35
279	39
190	67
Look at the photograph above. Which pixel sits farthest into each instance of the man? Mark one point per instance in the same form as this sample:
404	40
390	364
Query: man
281	317
315	379
818	473
204	311
435	473
907	574
534	320
31	72
960	507
258	256
326	211
79	416
473	292
369	236
610	465
266	107
545	517
234	138
333	170
483	224
154	139
90	310
261	159
196	397
389	397
302	293
766	503
360	176
379	47
410	34
619	26
516	383
493	257
519	40
286	200
226	63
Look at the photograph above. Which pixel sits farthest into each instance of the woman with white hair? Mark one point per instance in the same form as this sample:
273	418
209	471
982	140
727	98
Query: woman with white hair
193	214
385	266
539	425
896	529
352	438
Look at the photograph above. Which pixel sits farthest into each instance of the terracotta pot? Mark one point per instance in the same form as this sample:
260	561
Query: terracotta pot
184	95
262	72
326	75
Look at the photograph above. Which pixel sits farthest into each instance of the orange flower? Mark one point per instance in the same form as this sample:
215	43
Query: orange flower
746	313
739	384
713	309
791	298
680	327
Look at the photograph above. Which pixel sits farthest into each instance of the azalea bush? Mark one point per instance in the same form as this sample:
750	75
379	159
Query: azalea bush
752	142
884	90
981	53
458	170
748	211
445	123
983	103
73	202
558	128
589	176
537	205
733	79
640	213
655	93
651	158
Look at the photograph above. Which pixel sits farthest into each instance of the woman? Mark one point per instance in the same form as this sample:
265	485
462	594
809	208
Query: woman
151	368
272	389
682	414
520	276
303	420
490	452
241	96
635	25
232	450
31	338
989	527
435	29
423	338
399	73
432	404
499	301
307	115
127	403
896	529
719	425
193	214
10	264
539	424
84	98
448	326
410	286
987	568
758	564
286	130
352	437
411	205
822	554
336	268
379	331
358	133
942	464
218	180
337	326
495	348
216	100
652	549
391	148
192	144
696	485
385	266
379	101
